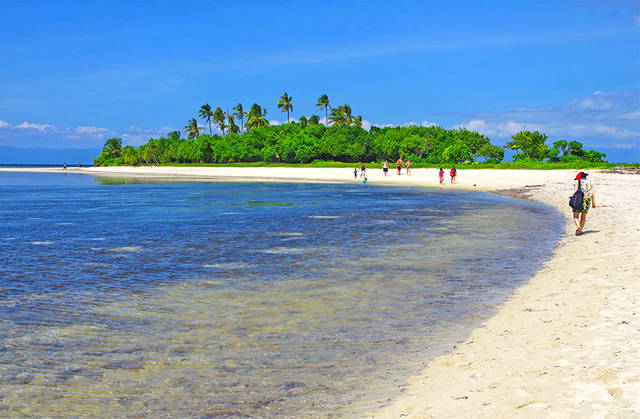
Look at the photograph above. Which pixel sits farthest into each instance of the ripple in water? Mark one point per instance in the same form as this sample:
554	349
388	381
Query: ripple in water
213	317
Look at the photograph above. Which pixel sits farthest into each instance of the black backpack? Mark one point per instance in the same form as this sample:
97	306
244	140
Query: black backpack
577	199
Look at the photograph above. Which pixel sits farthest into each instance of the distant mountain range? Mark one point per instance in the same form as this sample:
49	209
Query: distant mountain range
52	156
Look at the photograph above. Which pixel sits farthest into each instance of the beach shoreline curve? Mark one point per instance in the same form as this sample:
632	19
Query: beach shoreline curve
565	344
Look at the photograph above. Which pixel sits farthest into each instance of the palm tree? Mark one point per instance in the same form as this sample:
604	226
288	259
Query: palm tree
231	124
348	119
342	116
240	113
206	114
337	116
323	102
256	117
314	120
113	147
218	118
192	128
285	104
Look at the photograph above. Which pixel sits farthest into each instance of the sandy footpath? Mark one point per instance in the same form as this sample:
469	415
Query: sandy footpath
567	344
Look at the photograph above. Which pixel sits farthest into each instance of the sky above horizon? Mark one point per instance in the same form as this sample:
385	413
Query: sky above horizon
76	73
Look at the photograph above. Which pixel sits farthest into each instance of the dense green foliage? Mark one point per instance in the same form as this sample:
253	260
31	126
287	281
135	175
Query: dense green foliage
306	142
532	146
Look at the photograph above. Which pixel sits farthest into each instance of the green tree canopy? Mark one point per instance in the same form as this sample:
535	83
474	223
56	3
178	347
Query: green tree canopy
112	147
530	145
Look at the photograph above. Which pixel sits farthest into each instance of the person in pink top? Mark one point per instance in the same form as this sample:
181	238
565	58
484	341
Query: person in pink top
441	175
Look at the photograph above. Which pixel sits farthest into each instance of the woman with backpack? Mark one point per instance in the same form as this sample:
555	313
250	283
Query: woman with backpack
588	201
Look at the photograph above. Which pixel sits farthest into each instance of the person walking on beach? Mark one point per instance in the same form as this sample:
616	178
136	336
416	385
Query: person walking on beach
363	171
385	167
355	173
408	167
589	200
453	174
399	165
441	174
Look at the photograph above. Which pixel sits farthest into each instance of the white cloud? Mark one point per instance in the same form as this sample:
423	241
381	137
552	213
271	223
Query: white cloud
39	127
480	126
624	146
602	119
615	132
596	102
90	130
274	122
366	124
29	134
498	129
631	115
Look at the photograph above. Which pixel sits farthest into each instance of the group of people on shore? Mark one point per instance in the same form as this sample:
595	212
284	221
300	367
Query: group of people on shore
399	163
64	166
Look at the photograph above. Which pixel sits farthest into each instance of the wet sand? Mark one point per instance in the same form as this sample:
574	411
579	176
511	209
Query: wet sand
567	344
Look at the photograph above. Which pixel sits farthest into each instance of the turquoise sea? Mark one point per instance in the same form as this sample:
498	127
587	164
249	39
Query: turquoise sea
124	297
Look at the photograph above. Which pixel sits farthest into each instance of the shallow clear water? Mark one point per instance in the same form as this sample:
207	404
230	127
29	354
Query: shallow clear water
129	297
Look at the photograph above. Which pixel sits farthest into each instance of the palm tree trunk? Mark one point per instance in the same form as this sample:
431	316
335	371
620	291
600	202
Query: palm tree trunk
326	116
210	134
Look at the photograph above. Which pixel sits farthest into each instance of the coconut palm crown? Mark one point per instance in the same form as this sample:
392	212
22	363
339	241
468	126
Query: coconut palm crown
256	117
323	103
285	103
219	118
206	114
192	128
240	113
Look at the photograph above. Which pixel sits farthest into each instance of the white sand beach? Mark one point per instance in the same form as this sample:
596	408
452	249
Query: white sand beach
566	344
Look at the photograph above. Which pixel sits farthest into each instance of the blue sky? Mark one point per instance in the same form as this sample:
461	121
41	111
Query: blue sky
75	73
